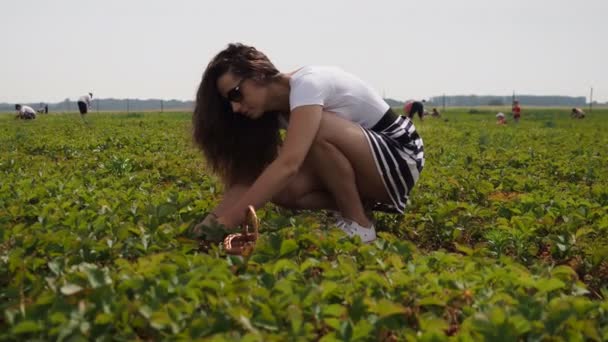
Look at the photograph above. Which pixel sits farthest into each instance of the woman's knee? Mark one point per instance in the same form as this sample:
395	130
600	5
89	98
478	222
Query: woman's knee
326	135
318	151
289	195
336	130
327	127
285	198
304	182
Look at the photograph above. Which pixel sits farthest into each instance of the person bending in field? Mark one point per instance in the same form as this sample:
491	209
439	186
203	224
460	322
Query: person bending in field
344	147
435	113
412	107
84	103
577	113
500	119
25	112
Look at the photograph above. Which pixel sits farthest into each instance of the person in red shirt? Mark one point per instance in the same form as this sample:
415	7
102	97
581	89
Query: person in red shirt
412	107
516	110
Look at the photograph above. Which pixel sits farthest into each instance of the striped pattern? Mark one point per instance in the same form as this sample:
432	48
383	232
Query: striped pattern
399	154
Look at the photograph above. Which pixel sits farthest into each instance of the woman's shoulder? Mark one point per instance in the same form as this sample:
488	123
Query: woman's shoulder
314	70
310	74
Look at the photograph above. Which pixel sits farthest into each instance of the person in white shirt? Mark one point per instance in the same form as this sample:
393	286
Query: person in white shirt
344	148
25	112
84	103
577	113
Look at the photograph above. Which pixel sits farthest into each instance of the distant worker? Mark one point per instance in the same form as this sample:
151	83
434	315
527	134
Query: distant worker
25	112
435	113
500	119
516	110
84	103
43	109
412	107
577	113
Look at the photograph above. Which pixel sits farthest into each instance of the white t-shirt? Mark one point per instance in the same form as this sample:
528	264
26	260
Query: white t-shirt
338	92
86	99
27	109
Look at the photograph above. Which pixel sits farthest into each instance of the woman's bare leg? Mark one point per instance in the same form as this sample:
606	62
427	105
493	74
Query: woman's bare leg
340	164
316	200
338	172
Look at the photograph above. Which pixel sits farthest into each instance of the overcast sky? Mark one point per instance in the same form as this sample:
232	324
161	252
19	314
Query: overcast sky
60	49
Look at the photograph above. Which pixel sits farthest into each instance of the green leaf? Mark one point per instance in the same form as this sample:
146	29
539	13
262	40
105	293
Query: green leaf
346	330
103	318
464	249
310	262
287	247
564	272
26	327
521	324
159	320
431	301
384	308
433	324
333	323
362	330
590	330
284	265
333	310
548	285
97	277
583	231
328	288
166	209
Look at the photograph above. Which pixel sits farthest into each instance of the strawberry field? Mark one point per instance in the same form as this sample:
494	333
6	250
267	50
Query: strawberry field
506	238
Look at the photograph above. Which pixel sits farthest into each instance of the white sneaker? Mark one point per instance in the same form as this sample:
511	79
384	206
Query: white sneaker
352	228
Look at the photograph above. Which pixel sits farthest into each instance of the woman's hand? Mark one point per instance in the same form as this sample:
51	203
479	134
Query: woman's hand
232	218
209	221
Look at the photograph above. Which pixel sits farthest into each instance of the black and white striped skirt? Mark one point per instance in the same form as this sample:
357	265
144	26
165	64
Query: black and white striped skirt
399	155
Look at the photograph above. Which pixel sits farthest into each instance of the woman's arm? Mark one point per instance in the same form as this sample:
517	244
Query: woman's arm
303	126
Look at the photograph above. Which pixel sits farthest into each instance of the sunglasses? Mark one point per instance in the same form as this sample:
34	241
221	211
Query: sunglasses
235	94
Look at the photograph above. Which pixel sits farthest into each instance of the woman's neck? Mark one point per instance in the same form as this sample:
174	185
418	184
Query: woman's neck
279	94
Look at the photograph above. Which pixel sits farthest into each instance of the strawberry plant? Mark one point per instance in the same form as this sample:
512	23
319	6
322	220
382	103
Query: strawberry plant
504	239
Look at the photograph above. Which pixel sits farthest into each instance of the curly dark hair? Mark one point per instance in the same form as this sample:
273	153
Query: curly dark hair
236	148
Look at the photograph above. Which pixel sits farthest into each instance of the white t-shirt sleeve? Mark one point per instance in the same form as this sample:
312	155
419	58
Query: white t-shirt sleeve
308	89
27	109
86	99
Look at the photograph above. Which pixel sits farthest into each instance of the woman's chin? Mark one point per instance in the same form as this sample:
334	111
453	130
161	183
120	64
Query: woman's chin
254	115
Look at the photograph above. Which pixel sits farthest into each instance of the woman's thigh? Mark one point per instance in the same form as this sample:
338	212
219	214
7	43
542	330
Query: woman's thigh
350	140
304	182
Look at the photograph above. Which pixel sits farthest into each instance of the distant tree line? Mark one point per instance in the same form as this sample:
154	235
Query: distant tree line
132	105
114	105
492	100
135	105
